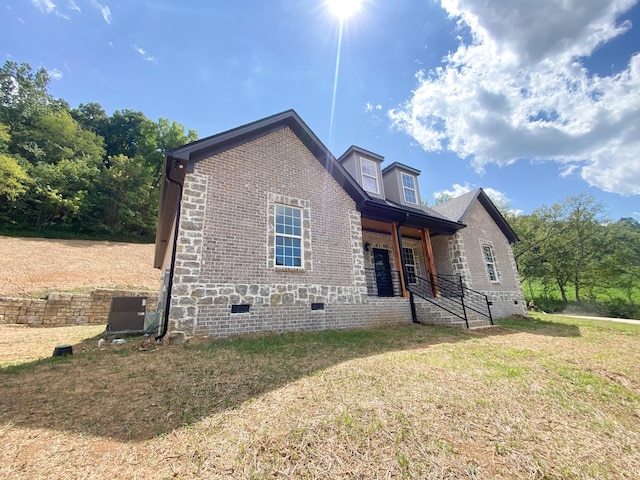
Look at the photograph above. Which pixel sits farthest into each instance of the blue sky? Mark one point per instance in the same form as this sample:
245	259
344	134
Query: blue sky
534	100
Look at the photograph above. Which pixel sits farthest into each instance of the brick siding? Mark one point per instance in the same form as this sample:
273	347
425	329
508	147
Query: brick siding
226	239
506	294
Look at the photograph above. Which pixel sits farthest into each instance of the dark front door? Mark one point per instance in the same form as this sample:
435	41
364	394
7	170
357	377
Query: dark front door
384	281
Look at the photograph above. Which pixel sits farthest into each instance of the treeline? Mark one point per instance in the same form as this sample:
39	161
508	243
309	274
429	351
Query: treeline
571	253
77	171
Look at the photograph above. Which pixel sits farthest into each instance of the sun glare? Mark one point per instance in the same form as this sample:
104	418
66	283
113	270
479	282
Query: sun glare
343	9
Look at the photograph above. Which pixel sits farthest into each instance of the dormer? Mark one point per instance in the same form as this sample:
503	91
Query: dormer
364	167
401	184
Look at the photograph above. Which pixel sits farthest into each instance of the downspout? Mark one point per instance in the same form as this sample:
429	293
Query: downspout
165	320
414	316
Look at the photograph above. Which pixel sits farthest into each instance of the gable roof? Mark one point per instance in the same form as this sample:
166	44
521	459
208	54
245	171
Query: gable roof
400	166
182	160
360	151
209	146
459	207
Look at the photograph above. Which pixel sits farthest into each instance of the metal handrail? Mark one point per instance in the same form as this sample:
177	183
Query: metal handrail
452	296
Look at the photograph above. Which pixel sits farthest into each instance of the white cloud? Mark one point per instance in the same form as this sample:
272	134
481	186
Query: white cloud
569	170
55	74
145	55
517	90
369	107
45	6
456	191
105	11
73	6
499	198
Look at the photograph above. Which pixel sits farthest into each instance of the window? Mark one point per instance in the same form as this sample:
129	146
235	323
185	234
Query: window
288	242
409	188
288	228
369	170
410	264
490	262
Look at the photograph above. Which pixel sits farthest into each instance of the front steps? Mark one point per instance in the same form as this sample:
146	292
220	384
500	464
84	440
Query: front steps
430	314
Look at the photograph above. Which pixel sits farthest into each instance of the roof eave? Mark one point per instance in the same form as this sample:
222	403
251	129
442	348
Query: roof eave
390	213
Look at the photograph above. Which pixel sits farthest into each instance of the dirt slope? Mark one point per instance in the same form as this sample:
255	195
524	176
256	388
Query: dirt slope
34	266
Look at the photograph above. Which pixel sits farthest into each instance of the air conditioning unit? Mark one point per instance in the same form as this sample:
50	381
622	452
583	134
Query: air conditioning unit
127	315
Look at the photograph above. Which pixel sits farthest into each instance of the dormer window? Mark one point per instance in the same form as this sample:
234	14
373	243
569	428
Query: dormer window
409	188
369	171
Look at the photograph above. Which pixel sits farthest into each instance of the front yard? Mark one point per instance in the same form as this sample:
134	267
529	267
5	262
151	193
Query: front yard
548	397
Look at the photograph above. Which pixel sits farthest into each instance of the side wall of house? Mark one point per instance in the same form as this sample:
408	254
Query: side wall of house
225	253
505	293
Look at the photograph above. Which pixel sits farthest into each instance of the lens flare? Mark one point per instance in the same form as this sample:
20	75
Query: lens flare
343	9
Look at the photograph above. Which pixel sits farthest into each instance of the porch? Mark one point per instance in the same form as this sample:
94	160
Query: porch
400	262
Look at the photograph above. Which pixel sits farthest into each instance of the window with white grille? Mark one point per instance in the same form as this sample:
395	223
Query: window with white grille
369	170
490	262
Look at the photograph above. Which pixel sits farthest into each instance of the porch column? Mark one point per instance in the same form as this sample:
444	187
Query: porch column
398	257
430	263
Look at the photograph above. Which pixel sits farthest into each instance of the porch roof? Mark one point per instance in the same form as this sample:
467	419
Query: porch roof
389	212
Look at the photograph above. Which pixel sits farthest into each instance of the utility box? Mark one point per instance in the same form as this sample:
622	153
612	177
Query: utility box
127	314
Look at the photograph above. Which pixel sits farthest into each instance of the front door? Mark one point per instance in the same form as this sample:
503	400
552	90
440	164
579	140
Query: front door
384	281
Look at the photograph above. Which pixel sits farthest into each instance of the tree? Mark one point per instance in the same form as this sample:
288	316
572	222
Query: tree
584	232
78	169
130	133
57	136
61	193
13	179
171	135
563	244
129	202
91	116
535	231
620	265
23	93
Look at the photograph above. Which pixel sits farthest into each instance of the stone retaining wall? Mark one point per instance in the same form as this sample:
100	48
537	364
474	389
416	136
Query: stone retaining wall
60	309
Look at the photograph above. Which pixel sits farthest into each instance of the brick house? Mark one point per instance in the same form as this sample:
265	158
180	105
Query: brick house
276	234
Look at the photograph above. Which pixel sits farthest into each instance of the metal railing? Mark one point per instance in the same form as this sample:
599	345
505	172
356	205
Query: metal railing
445	291
452	295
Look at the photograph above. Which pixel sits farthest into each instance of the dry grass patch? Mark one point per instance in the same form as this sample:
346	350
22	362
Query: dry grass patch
33	267
21	344
531	399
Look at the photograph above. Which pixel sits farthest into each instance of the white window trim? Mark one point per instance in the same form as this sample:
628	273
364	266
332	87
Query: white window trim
274	199
289	235
375	167
493	263
413	265
405	188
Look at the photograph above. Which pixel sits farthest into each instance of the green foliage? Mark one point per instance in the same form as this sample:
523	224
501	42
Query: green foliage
23	93
77	172
13	179
577	258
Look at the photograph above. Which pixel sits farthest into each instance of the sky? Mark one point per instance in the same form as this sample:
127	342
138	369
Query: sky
533	100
